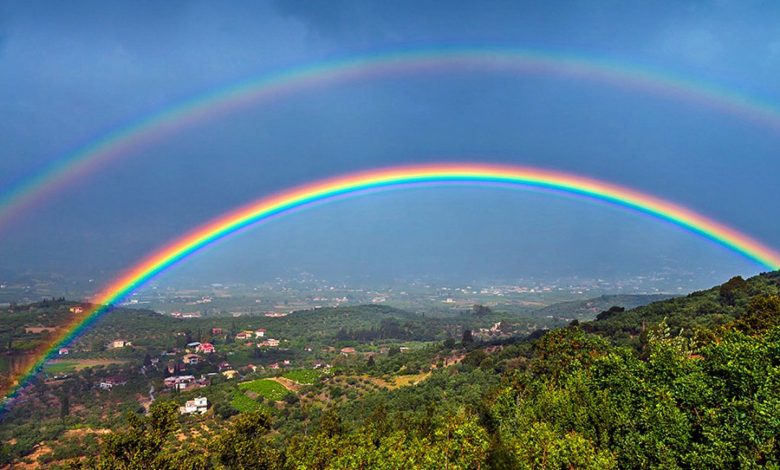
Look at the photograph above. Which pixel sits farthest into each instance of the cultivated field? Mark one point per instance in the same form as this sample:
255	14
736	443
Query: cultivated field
269	389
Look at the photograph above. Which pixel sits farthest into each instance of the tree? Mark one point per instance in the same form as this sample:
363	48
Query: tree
481	310
64	404
763	313
731	289
468	337
330	423
142	444
540	447
475	358
244	444
224	410
291	399
461	441
613	311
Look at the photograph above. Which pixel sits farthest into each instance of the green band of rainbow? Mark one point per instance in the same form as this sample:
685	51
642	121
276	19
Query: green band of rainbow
157	125
323	191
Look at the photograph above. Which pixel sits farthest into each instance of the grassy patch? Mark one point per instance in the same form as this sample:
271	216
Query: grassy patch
269	389
303	376
243	403
405	380
63	367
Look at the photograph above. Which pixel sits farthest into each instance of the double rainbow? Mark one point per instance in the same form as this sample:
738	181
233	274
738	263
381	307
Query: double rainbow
384	179
162	123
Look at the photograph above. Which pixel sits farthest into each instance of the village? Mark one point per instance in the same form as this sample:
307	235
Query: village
197	364
214	367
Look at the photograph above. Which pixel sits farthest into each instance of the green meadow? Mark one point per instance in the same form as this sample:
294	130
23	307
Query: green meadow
303	376
269	389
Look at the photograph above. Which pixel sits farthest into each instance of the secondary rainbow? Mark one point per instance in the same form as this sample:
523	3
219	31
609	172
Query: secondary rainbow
389	178
128	139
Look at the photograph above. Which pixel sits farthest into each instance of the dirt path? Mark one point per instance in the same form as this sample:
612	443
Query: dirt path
82	432
39	451
287	383
84	363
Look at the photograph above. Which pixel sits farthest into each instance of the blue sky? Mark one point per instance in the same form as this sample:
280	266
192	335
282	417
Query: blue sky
70	71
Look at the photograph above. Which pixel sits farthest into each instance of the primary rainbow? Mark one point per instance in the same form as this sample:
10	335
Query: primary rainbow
357	183
156	125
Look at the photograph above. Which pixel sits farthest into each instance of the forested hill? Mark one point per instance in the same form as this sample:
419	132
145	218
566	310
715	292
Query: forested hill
587	309
737	300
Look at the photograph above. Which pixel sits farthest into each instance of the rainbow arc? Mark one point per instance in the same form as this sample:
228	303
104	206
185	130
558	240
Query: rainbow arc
162	123
320	192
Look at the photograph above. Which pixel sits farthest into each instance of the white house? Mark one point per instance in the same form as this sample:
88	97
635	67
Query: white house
119	343
111	382
198	405
180	382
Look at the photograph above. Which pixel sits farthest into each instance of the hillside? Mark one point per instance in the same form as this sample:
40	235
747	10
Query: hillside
584	310
688	382
697	312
